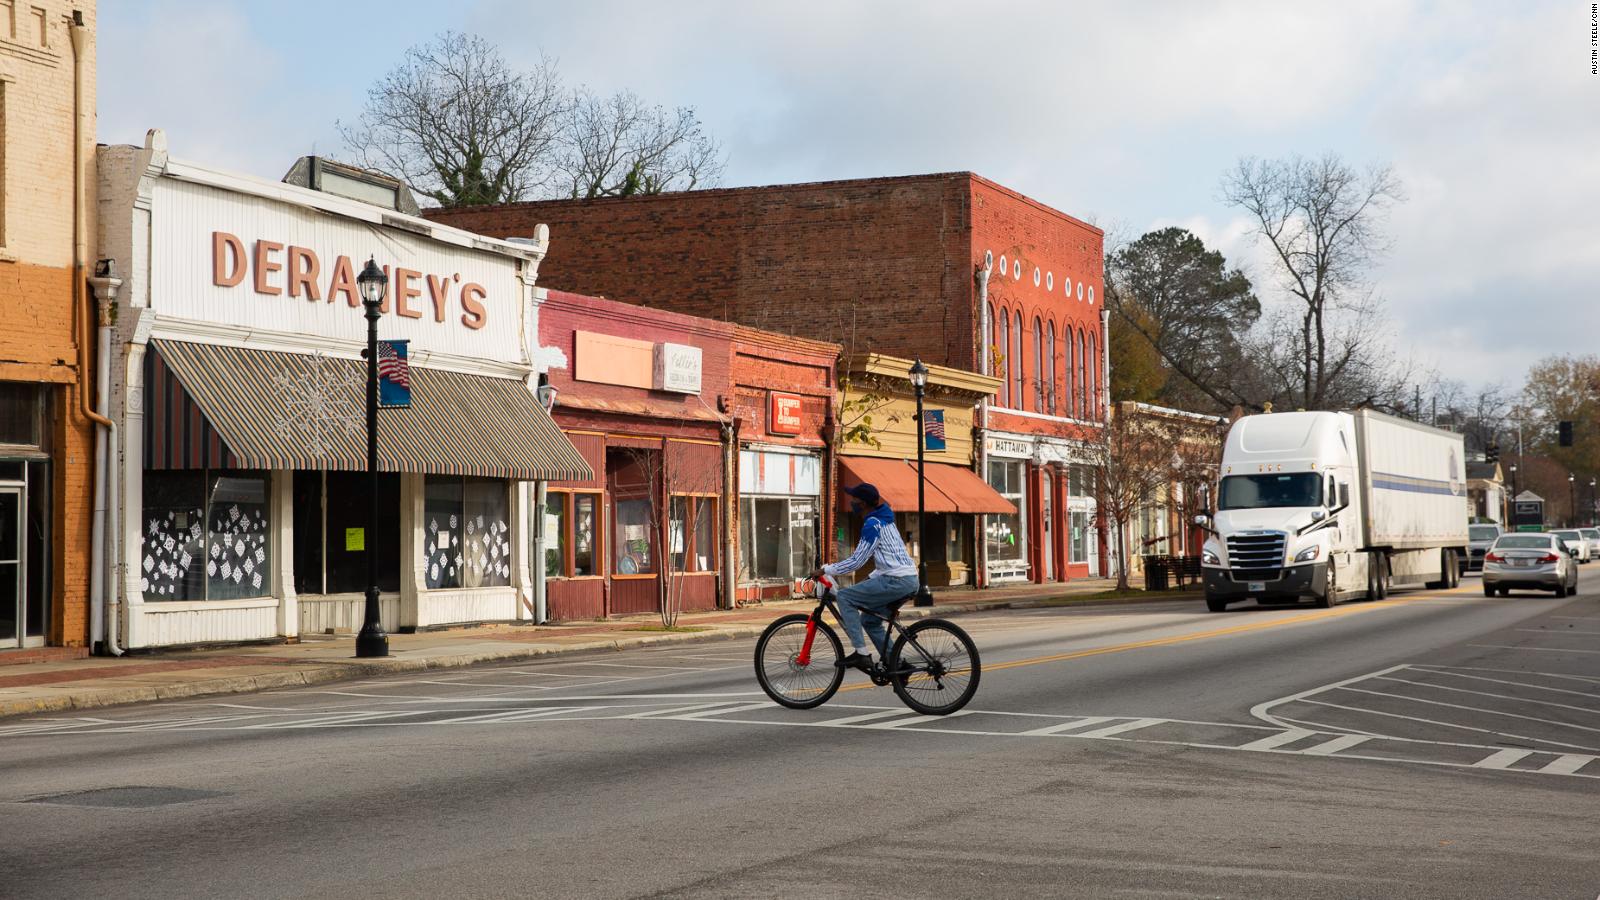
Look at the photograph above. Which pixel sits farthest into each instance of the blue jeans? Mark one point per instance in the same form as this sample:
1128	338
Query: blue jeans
873	595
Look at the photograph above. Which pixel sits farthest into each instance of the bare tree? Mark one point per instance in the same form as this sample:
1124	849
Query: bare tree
1322	221
1137	459
460	125
669	481
619	145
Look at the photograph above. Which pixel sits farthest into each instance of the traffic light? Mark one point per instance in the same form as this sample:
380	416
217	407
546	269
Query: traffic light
1491	454
1564	434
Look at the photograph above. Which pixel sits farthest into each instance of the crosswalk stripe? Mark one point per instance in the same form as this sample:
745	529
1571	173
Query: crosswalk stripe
920	718
674	711
1060	727
1278	740
506	715
1567	764
1110	730
1500	759
1328	748
743	707
868	717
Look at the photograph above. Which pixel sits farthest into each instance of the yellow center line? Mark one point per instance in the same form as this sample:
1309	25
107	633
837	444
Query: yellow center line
1193	636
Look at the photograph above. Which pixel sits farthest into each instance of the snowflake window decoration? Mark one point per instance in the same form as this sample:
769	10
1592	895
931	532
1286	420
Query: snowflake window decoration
324	406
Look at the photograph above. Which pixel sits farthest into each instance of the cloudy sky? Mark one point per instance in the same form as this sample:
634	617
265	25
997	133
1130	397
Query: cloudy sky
1125	114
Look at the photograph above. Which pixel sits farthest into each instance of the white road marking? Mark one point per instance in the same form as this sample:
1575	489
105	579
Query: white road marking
1557	631
1441	687
1068	726
919	718
743	707
1262	710
1501	759
1531	649
1278	740
1345	742
676	710
865	717
1567	764
1110	730
1476	709
1503	734
1524	684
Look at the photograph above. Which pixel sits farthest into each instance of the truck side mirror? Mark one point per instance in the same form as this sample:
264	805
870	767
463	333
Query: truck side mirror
1344	494
1318	515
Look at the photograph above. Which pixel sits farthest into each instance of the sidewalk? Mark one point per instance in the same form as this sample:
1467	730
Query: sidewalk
87	683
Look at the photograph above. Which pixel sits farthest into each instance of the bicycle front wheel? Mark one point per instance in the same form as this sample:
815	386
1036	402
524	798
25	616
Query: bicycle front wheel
784	676
936	667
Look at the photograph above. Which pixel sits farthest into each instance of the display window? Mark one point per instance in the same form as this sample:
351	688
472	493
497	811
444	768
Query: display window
467	539
570	532
1004	535
205	536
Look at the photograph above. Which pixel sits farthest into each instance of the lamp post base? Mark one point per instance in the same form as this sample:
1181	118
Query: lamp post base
372	641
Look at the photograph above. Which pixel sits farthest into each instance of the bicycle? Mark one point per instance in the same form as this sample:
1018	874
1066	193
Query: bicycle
928	658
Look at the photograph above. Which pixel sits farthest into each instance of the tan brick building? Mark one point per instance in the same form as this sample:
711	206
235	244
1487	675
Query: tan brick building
47	438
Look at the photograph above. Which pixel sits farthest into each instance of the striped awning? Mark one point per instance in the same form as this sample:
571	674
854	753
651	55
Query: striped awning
277	410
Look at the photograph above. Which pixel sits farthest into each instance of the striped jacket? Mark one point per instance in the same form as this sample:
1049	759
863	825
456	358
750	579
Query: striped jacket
881	543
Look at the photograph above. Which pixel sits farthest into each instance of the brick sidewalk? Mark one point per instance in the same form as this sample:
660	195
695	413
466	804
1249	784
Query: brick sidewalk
63	684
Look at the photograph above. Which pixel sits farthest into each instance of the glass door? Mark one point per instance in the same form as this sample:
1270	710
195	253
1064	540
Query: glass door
11	574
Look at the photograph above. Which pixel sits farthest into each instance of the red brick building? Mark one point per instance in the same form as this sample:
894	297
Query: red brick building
645	396
784	393
916	267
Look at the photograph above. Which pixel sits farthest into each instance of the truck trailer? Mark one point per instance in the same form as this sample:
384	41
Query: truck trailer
1334	506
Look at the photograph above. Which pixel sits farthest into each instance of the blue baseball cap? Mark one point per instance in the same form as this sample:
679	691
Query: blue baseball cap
866	493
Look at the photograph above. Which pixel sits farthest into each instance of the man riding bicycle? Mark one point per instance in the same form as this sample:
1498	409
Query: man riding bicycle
894	576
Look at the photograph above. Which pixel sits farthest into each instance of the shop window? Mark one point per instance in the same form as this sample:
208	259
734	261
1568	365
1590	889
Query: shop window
777	538
1006	361
569	527
1050	364
1080	537
1017	399
1038	366
333	536
634	539
1004	535
205	536
693	532
556	522
468	532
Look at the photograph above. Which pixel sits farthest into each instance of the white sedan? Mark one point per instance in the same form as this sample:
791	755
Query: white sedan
1575	539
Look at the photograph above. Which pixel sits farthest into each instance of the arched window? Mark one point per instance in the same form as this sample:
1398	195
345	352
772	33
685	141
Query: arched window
1094	382
1007	363
1038	366
1016	349
1070	358
1083	378
993	339
1050	360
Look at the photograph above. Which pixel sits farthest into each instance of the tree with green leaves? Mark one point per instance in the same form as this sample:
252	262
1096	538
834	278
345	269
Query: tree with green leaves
1170	293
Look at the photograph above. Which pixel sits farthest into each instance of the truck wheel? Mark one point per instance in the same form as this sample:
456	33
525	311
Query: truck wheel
1330	589
1216	604
1452	571
1372	580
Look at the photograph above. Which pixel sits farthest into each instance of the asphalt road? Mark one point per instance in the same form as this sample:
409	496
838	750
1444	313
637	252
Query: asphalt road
1431	745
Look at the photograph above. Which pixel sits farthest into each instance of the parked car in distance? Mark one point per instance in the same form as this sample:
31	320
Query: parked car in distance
1532	561
1592	535
1479	537
1574	538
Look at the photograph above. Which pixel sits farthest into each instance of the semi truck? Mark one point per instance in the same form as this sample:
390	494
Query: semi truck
1334	506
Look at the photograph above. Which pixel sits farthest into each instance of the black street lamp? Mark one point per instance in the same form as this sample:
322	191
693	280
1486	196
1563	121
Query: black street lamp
372	641
919	381
1572	490
1591	503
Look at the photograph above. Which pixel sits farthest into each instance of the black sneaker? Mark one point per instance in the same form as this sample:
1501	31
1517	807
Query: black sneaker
855	661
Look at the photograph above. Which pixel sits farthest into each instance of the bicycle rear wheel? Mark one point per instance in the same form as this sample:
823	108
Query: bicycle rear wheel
778	667
936	667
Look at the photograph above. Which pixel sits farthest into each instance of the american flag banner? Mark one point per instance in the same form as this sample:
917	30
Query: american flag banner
394	375
933	429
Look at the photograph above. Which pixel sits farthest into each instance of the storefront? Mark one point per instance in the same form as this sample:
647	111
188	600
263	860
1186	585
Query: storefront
1054	535
784	392
878	428
644	397
239	394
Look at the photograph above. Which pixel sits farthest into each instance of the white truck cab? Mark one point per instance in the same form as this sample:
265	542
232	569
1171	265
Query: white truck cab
1333	506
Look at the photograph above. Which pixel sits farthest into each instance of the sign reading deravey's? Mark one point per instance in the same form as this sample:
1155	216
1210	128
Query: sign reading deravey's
232	259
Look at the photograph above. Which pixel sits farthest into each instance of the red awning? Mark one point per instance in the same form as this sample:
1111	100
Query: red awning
950	489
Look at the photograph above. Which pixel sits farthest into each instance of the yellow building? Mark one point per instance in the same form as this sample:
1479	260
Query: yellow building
47	438
876	438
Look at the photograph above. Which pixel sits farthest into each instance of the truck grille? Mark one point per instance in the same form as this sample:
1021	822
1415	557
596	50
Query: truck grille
1257	556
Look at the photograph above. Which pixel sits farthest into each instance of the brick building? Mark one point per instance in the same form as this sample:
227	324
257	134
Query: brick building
950	268
47	436
644	395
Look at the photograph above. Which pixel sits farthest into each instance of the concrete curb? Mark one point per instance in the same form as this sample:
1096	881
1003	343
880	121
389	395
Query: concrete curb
318	673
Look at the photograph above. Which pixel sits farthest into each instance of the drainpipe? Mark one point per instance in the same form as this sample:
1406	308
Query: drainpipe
80	314
537	568
103	586
980	571
730	565
1105	421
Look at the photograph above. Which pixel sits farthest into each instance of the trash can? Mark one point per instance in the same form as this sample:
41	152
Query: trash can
1155	573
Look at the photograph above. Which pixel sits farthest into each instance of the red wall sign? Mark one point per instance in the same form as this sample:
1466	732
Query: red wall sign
783	413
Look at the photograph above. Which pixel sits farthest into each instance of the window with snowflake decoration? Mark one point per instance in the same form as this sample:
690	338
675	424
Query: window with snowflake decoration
468	532
205	536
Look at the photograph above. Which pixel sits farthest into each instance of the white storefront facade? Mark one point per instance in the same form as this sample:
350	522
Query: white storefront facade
236	382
